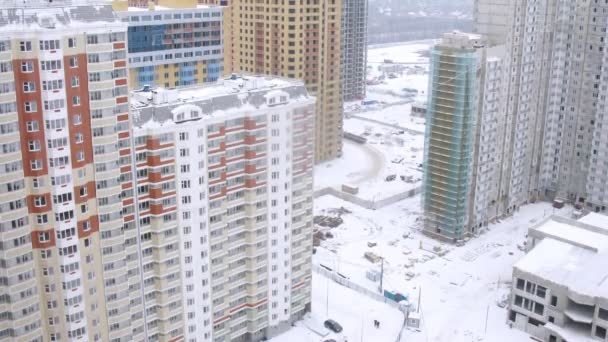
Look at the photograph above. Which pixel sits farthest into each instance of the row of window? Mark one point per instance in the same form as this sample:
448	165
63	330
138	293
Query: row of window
45	45
175	16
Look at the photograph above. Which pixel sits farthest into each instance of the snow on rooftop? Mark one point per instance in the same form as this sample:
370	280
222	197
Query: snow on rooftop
164	8
598	220
578	235
154	107
53	16
581	270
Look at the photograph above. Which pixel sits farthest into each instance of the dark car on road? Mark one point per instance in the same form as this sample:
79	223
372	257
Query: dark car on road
333	325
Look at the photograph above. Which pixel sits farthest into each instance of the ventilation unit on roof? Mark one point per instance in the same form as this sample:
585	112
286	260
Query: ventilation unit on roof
46	20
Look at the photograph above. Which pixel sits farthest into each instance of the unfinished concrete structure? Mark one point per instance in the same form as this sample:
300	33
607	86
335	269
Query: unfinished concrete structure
354	49
560	288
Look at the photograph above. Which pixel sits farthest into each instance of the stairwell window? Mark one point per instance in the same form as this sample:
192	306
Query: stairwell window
25	46
27	66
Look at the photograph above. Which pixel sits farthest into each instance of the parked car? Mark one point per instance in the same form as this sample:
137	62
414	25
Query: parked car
330	340
333	325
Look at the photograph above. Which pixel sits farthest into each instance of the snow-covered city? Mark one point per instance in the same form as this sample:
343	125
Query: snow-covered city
459	293
304	171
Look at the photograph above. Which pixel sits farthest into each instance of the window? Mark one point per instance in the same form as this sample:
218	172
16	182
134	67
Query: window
27	66
539	309
73	62
600	332
77	119
541	291
45	254
75	81
36	164
42	219
52	65
76	100
55	124
32	126
52	85
34	145
49	44
31	106
39	201
44	237
54	104
553	301
71	42
29	87
603	314
25	46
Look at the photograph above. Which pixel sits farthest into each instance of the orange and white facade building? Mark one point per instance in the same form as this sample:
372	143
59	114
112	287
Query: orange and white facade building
234	161
69	252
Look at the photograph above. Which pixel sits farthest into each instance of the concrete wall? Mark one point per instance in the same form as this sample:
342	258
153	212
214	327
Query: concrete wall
368	204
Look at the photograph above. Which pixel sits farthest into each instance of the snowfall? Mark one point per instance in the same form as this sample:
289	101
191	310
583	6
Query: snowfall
461	295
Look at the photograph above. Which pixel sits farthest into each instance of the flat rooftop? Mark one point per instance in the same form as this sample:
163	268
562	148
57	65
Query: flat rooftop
164	8
589	232
51	16
581	270
156	106
598	220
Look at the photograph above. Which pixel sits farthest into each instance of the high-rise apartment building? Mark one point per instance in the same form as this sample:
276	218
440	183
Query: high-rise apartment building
295	39
465	130
555	102
172	43
573	165
234	162
68	221
354	48
450	134
492	18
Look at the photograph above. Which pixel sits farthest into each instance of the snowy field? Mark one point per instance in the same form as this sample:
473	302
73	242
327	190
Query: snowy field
457	289
390	151
350	309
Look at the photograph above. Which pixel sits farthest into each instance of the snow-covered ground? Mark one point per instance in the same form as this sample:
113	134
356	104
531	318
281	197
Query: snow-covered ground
458	289
350	309
390	151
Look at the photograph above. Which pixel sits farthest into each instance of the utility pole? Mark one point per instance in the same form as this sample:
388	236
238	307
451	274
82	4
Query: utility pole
487	314
327	298
381	273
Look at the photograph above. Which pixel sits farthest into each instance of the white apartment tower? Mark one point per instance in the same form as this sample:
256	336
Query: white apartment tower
492	19
235	159
573	166
555	94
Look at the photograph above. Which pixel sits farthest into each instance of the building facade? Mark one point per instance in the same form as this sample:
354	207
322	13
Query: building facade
173	43
450	134
293	39
556	303
492	19
354	49
234	160
573	165
68	223
464	140
484	205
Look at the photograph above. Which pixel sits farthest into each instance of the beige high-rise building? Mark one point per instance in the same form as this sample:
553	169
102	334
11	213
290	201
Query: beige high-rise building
295	39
